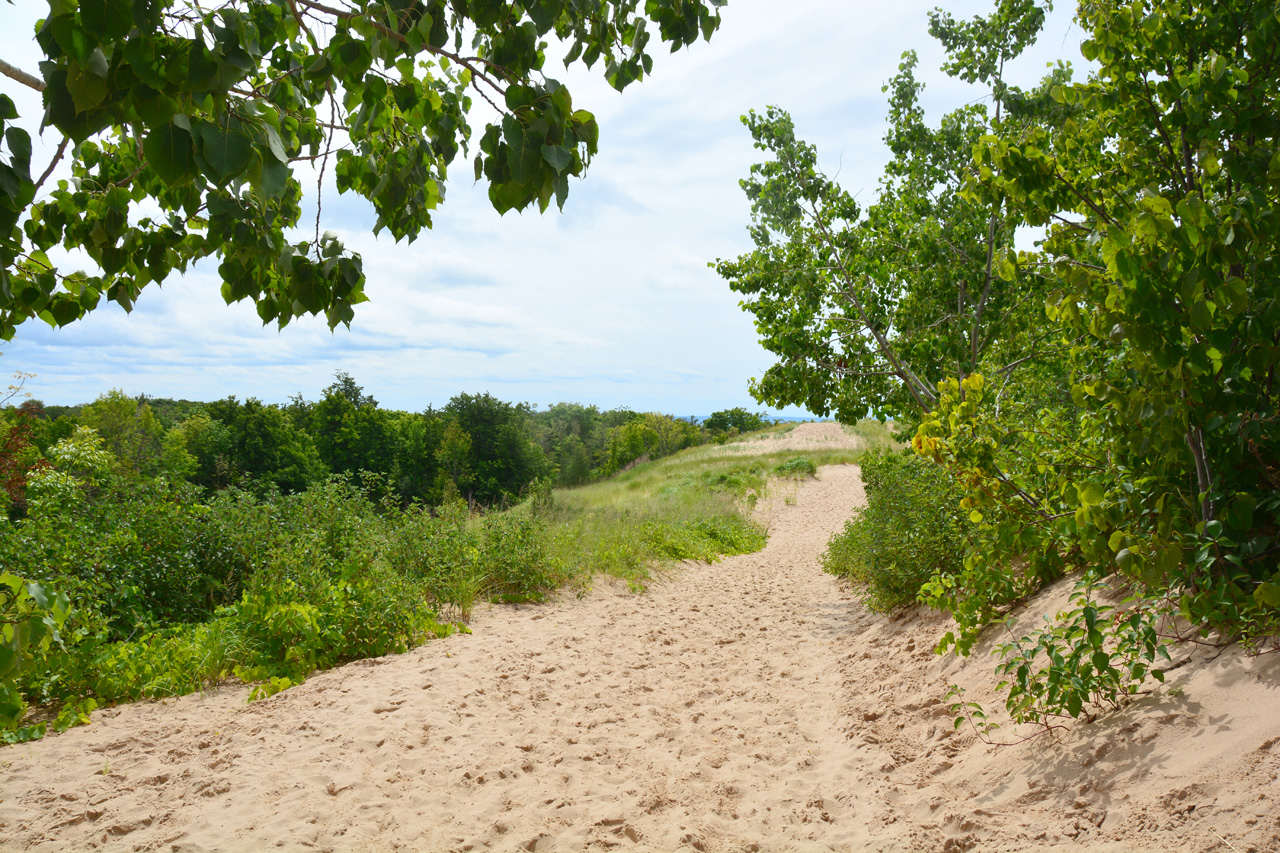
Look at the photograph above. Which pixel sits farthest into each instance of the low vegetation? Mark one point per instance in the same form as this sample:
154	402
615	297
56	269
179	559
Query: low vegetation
904	534
123	580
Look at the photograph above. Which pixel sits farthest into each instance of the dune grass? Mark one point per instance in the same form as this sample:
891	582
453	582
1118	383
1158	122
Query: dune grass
693	505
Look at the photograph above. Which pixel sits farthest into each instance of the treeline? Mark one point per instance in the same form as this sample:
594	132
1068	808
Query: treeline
477	447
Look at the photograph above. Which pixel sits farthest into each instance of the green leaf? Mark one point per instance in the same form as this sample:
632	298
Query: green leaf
19	142
87	89
518	97
1268	594
153	107
1240	512
168	150
1201	316
228	152
274	143
97	63
70	35
144	58
524	151
275	177
558	157
65	310
562	191
109	19
508	195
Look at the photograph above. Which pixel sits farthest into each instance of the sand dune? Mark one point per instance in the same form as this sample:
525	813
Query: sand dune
747	705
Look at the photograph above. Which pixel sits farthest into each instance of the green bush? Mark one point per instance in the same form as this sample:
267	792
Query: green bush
166	590
801	466
737	419
459	558
738	481
910	528
289	632
517	562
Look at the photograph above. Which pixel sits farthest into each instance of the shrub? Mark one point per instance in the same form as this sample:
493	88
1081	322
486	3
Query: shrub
738	419
517	563
910	528
801	466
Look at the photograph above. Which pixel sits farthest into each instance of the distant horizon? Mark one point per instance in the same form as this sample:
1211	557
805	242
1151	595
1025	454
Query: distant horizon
766	413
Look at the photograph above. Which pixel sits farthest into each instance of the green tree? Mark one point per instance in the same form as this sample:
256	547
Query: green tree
417	438
736	418
185	123
630	442
1108	401
453	455
582	439
869	311
350	432
672	434
266	447
1159	201
504	459
208	442
573	461
47	430
129	430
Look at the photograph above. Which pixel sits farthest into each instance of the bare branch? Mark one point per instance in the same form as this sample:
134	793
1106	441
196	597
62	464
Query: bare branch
333	118
28	80
62	149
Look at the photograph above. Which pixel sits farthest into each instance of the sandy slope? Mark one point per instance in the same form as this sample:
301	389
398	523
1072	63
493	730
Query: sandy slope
747	705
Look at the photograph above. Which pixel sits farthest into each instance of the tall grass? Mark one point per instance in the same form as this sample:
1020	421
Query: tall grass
694	505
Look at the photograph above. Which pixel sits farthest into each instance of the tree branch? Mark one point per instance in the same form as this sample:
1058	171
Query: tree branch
28	80
924	397
986	289
466	61
62	149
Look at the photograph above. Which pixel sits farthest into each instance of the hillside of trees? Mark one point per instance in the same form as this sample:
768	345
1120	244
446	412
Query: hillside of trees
476	446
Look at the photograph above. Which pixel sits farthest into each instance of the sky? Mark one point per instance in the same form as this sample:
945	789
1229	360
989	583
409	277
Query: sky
610	303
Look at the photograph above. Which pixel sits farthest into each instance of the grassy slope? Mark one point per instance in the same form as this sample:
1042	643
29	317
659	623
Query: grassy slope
691	505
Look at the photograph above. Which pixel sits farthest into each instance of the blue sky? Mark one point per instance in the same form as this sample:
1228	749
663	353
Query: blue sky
610	302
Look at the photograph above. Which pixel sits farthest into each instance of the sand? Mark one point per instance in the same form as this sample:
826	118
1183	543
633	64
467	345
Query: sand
748	705
799	439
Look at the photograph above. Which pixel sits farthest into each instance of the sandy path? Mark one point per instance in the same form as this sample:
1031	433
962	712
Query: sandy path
747	705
